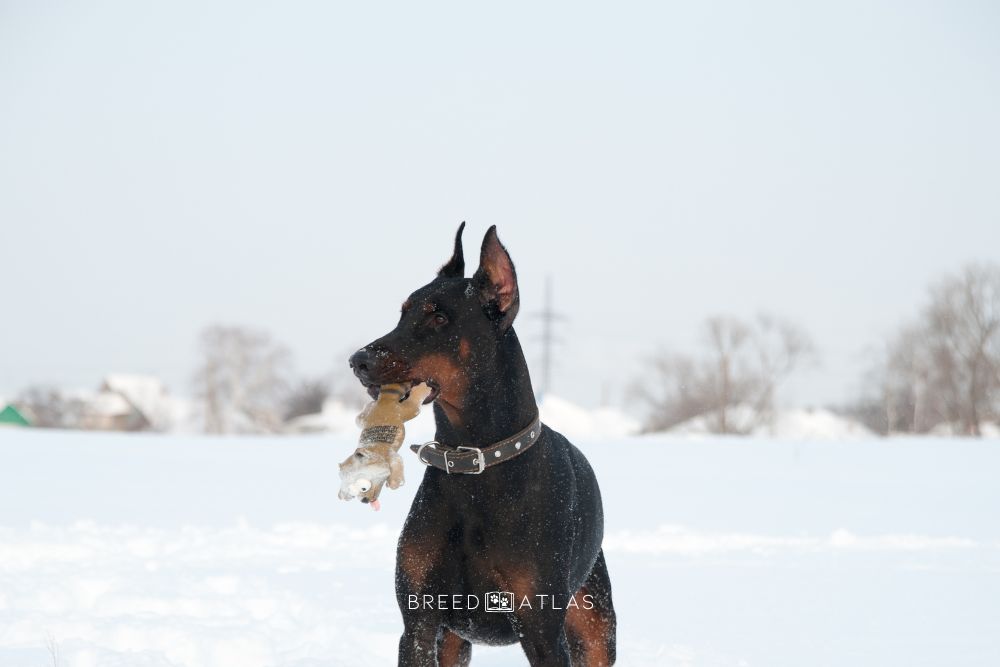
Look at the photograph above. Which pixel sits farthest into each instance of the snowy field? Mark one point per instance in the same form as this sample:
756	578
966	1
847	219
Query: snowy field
144	551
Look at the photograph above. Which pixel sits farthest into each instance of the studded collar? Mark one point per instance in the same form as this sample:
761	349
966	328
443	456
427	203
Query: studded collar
474	460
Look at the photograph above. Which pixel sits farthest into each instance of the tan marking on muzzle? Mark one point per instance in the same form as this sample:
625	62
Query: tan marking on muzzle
447	373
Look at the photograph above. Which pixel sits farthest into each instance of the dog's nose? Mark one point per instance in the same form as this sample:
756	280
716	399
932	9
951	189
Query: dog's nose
360	361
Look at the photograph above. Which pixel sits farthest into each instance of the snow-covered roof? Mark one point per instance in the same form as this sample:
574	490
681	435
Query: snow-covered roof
144	392
108	404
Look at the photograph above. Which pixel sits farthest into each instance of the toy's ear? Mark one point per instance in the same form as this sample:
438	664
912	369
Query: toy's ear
496	280
455	267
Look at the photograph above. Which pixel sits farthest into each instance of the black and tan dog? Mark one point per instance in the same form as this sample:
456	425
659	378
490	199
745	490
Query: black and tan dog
506	504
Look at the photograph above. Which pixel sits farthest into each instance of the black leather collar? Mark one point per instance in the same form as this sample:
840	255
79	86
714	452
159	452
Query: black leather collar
473	460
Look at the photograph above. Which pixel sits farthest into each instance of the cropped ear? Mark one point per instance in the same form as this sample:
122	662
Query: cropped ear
455	267
496	280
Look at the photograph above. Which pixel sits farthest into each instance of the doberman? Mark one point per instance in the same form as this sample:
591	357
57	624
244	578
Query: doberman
506	505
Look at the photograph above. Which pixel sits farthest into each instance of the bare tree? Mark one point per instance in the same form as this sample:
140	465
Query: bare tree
945	367
242	380
53	648
673	389
898	396
963	329
781	347
731	382
742	364
307	398
50	408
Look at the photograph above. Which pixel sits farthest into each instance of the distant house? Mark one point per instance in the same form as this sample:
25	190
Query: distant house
11	416
127	403
108	411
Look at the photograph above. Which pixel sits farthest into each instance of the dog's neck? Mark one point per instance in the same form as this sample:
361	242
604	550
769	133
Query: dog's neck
498	403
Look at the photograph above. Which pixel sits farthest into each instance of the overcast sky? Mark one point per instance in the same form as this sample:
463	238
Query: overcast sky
302	167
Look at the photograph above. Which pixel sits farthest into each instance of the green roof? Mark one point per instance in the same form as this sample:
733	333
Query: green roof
10	415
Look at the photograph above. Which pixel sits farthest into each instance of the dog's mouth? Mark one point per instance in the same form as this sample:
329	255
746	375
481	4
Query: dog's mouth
375	389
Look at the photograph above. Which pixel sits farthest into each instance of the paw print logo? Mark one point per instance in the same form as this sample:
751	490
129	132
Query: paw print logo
499	601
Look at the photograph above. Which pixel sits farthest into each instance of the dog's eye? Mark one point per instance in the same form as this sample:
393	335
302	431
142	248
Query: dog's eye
438	319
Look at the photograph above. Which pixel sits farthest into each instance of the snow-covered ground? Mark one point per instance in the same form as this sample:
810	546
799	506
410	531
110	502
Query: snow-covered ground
146	550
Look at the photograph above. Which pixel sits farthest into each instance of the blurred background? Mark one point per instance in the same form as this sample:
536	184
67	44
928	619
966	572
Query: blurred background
727	213
754	240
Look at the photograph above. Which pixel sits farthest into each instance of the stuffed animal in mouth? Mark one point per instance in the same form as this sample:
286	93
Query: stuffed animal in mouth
376	461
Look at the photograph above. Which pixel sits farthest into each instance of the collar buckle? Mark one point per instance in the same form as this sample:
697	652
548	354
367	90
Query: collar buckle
480	459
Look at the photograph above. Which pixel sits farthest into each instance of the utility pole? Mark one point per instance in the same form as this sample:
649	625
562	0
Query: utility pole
548	317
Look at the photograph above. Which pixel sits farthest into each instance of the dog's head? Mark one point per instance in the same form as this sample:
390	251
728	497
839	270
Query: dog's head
447	328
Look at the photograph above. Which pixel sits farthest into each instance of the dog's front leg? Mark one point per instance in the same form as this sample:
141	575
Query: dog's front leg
452	650
542	635
418	644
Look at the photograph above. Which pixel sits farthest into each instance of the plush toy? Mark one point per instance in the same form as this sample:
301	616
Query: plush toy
376	462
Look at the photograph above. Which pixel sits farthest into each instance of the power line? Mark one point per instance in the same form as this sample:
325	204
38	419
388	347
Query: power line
549	317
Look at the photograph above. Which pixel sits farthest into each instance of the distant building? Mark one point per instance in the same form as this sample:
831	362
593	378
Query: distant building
127	403
11	416
108	411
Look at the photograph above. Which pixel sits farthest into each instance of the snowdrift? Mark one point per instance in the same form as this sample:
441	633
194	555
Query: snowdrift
157	551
